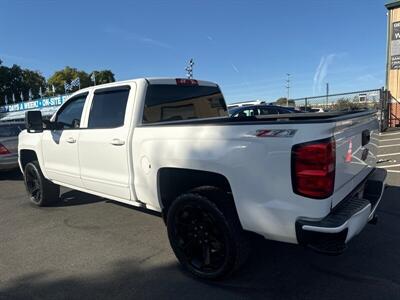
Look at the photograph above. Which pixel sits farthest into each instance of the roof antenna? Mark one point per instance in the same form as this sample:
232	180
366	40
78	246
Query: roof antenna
189	69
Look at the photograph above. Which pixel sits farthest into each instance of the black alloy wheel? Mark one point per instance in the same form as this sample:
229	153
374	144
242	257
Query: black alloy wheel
200	238
33	185
41	191
208	242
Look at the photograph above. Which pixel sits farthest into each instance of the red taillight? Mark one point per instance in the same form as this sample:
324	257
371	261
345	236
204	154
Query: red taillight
3	150
313	169
184	81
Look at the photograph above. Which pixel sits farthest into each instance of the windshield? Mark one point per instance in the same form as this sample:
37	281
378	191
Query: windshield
10	130
165	102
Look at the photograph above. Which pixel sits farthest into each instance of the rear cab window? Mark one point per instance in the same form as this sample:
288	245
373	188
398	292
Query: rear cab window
169	102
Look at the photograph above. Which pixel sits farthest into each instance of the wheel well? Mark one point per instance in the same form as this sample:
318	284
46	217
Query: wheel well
27	156
174	181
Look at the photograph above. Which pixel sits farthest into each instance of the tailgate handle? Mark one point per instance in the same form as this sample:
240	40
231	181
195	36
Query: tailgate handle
366	137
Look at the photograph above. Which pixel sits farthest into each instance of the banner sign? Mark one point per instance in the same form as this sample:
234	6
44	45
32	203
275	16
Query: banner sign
39	103
395	46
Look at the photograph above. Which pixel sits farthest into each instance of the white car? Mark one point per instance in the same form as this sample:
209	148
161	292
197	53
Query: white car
168	145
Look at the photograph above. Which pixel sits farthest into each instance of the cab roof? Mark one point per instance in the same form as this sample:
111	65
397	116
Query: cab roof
151	80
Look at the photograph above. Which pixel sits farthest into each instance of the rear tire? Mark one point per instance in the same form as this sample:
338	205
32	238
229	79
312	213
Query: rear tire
207	239
41	191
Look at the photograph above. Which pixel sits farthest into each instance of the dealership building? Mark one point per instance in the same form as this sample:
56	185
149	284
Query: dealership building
393	60
16	112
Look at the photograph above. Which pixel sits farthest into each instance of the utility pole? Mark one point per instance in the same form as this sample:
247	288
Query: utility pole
327	94
288	88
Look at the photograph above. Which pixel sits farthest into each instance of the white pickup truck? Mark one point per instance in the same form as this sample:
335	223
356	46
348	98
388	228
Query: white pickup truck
168	145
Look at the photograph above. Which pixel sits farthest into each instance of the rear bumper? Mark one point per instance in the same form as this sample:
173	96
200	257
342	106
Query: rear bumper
8	162
346	220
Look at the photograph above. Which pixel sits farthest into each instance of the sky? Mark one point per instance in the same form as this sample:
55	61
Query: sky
247	47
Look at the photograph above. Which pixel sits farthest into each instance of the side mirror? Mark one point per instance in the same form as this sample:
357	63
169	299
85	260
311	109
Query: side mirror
34	121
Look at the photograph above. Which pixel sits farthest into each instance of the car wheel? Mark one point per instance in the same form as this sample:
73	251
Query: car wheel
207	240
41	191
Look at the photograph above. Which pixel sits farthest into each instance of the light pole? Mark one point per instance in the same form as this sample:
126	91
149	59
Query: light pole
288	88
327	94
93	77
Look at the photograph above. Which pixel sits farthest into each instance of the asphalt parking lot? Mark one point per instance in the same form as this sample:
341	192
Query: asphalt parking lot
88	247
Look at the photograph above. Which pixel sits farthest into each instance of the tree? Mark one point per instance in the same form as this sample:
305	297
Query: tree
283	102
66	75
32	80
103	76
343	104
11	82
15	80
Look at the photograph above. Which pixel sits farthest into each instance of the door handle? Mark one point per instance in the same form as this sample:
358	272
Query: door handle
117	142
71	140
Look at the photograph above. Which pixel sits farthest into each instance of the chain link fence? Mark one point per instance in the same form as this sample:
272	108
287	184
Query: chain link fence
340	102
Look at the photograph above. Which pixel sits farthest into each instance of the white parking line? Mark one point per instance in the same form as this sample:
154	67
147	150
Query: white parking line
387	134
385	146
389	154
389	166
393	171
386	140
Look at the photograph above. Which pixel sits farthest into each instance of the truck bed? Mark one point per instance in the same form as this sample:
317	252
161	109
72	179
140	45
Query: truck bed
300	118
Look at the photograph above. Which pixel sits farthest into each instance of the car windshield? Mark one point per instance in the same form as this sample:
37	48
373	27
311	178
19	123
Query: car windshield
10	130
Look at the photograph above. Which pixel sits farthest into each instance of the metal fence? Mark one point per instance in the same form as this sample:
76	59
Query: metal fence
341	102
392	112
378	99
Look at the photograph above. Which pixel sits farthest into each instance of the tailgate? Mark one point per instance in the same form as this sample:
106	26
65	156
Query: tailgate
355	153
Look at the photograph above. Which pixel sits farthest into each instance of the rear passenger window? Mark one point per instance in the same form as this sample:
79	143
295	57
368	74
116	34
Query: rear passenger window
108	108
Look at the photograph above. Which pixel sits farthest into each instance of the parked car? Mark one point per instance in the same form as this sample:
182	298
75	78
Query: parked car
9	145
259	110
312	109
169	145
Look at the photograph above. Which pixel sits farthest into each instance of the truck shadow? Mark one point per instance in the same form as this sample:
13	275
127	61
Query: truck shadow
11	175
72	198
368	269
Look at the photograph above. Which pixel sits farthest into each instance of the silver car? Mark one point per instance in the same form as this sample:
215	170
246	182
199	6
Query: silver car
9	145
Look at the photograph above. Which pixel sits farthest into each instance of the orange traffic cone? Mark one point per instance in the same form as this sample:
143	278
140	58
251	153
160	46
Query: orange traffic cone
349	154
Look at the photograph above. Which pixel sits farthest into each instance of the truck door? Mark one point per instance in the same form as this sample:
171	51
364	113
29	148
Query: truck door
60	147
103	146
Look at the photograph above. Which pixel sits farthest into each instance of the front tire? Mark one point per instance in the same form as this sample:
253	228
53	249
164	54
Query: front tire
207	240
41	191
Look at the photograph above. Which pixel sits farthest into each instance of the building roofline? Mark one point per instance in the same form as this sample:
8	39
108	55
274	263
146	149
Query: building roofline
392	4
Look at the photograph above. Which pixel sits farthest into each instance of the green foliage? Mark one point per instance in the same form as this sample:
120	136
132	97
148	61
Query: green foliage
283	102
104	76
33	80
15	80
344	104
66	75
